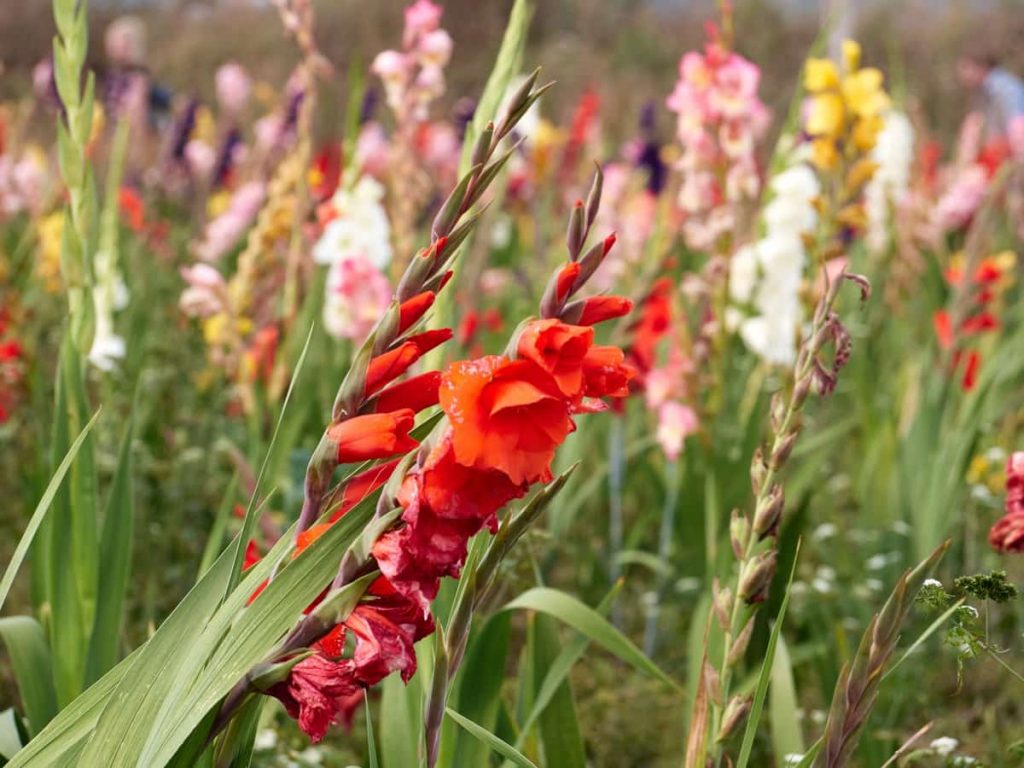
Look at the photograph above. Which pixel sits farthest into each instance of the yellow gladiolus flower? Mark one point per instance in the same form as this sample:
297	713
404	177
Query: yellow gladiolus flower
826	117
863	92
824	154
820	75
851	54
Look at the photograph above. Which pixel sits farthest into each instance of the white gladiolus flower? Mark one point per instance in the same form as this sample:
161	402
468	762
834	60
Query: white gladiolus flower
361	228
766	276
894	154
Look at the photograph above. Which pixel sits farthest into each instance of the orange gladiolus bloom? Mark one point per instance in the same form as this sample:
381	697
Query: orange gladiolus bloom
373	436
417	393
505	415
559	349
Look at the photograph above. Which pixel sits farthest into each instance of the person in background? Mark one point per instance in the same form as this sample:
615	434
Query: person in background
999	92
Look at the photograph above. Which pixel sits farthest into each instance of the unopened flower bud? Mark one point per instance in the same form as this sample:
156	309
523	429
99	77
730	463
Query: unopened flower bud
482	148
801	390
735	714
594	197
782	450
739	645
712	684
387	329
758	470
593	258
449	213
722	602
739	533
416	274
778	411
577	228
769	512
757	577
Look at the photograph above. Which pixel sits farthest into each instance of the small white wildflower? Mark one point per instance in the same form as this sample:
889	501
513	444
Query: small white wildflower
932	583
875	585
962	761
902	528
995	454
823	586
825	531
266	740
880	561
827	573
971	610
793	758
311	755
688	584
818	716
944	745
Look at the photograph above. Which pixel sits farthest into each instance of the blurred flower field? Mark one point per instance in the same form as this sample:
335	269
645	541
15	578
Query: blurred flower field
411	407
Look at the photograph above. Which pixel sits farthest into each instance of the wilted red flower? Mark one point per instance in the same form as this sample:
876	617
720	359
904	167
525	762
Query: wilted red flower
559	349
373	436
319	693
505	414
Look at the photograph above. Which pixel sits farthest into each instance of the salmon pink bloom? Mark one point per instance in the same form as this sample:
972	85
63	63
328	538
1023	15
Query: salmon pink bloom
373	436
505	415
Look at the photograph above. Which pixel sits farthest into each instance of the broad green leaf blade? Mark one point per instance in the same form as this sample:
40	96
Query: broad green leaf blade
249	523
40	511
215	539
401	719
73	550
128	715
560	667
371	739
587	621
783	704
501	747
66	733
33	670
115	564
766	672
478	690
559	726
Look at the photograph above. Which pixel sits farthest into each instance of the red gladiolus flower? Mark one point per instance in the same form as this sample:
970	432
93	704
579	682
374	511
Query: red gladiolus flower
505	415
606	373
252	555
361	486
655	320
943	328
373	436
319	693
559	349
132	208
418	393
1007	535
971	369
597	309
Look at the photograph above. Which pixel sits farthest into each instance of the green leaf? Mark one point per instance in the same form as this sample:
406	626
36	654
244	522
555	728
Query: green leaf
10	735
33	670
40	511
478	689
501	747
766	673
75	723
587	621
215	539
401	718
559	726
249	523
115	564
783	704
932	629
371	741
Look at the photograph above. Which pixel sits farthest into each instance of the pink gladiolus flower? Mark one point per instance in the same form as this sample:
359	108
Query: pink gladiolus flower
357	296
1007	535
206	292
675	423
234	86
